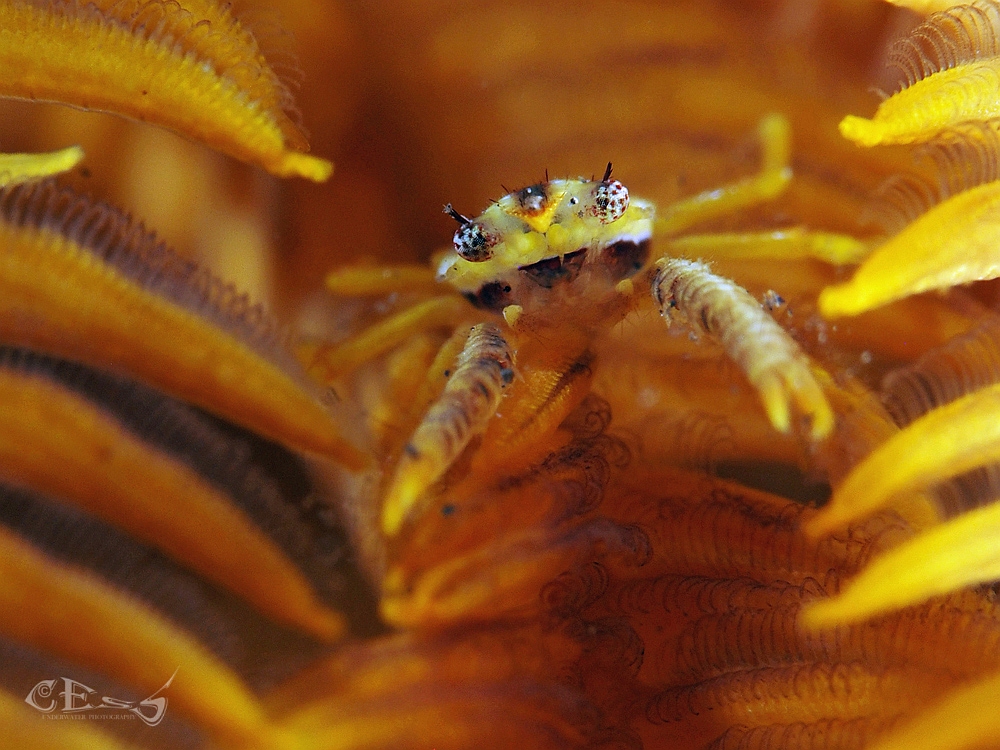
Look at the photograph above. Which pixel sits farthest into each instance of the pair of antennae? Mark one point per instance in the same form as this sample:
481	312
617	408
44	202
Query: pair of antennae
463	220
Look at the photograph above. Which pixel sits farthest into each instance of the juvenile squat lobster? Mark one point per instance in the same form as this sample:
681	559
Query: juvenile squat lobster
541	270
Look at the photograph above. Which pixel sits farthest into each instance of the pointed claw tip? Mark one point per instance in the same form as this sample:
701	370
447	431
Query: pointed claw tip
399	502
776	406
822	422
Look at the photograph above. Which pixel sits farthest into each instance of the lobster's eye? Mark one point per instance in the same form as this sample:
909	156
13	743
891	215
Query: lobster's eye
474	243
610	201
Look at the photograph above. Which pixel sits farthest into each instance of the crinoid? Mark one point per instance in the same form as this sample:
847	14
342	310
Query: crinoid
524	515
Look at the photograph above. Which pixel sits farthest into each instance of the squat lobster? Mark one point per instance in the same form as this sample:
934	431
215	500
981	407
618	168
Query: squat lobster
544	268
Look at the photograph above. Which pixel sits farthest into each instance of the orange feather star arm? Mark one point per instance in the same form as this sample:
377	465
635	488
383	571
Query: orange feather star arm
199	340
155	65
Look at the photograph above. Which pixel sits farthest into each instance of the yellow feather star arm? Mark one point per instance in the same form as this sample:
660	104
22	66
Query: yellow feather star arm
56	442
945	442
212	32
924	6
929	107
945	557
95	61
951	65
956	554
929	253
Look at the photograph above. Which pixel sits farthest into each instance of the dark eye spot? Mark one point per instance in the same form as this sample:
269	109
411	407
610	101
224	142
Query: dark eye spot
533	198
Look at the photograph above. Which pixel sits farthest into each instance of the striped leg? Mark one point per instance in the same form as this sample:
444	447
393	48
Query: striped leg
769	357
469	400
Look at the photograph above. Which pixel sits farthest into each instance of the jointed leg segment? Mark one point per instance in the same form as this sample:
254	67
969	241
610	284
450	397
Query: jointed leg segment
378	281
772	361
469	400
715	306
770	182
786	244
330	362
